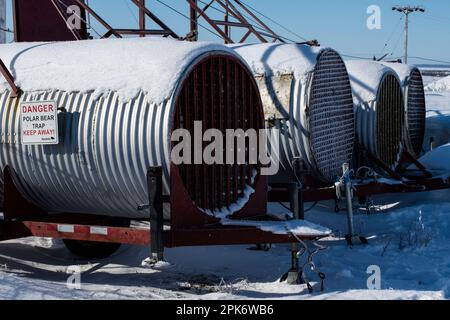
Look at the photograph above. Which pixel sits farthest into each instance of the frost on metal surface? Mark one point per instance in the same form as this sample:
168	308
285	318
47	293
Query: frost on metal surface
276	94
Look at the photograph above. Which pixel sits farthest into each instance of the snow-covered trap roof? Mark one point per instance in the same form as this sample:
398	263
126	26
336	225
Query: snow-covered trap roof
125	66
365	77
402	70
271	59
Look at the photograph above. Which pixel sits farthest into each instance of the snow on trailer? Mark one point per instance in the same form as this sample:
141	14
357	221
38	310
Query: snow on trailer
307	95
118	102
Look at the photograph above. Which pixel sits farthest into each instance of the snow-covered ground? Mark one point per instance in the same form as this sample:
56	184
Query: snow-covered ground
409	240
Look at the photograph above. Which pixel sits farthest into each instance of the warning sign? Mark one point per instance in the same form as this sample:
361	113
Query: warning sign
39	122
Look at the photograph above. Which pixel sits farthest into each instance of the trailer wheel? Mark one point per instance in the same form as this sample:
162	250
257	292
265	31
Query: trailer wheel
95	250
91	250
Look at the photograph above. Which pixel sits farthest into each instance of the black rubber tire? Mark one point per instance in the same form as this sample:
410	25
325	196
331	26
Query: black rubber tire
91	250
96	250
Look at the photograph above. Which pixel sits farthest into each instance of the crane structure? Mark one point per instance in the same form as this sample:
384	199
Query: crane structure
54	15
235	13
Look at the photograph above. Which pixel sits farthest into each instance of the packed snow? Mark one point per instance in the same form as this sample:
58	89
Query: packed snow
409	241
402	70
365	77
279	59
296	227
438	115
126	66
437	160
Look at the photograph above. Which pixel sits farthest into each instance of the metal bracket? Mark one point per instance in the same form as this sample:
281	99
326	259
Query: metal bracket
383	166
419	165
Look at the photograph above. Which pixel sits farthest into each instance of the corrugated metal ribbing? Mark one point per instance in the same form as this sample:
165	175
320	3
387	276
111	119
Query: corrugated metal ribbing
314	115
416	112
107	144
100	165
331	116
390	120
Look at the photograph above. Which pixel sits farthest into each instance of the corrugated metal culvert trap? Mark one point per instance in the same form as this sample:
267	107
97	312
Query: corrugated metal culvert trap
416	112
390	120
331	116
222	94
107	143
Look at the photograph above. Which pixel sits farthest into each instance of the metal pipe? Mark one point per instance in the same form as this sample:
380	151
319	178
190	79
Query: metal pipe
349	199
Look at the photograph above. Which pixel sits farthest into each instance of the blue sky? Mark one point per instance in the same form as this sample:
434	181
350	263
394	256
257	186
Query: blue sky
340	24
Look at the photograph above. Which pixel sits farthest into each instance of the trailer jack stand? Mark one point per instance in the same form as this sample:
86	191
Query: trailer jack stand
297	274
347	184
154	185
293	276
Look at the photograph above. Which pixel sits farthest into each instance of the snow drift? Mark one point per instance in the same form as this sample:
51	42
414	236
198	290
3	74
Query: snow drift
442	85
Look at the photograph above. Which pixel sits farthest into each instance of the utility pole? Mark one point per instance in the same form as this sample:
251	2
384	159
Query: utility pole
407	11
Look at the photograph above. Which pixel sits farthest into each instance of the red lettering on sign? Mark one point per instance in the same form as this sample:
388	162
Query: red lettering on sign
38	108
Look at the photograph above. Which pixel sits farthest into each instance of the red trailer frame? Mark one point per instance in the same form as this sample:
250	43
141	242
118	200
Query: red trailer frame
23	219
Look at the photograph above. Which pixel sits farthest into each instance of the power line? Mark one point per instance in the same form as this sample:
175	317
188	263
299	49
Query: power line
431	18
131	11
257	26
355	57
6	30
188	18
81	18
275	22
438	17
397	43
431	60
390	37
